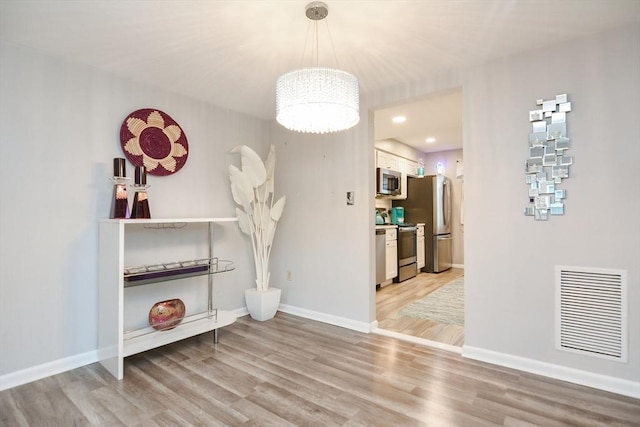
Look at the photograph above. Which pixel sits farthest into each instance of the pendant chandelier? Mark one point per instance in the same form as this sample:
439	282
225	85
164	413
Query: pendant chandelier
317	99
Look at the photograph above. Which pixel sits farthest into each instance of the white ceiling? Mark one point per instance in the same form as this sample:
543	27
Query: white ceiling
230	52
437	116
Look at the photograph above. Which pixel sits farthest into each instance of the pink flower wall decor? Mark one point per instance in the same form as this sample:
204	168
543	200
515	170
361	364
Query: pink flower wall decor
151	138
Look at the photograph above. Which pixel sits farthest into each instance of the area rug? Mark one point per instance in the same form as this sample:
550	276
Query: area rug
444	305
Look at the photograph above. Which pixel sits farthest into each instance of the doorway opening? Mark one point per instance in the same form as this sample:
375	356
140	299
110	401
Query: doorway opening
430	306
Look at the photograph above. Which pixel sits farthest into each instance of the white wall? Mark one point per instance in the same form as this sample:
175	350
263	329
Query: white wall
59	131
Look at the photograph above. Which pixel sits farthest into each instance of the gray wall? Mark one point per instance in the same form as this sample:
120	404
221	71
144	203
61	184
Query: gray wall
509	258
59	131
321	239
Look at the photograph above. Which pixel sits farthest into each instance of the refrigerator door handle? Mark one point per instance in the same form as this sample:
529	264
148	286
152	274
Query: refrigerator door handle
447	203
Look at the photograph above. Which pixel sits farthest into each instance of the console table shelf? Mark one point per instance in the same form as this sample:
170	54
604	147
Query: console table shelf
143	275
145	339
114	343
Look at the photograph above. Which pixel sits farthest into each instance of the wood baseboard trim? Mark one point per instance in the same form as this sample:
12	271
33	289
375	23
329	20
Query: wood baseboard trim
589	379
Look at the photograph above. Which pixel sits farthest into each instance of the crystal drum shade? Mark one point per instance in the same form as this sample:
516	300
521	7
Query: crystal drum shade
317	100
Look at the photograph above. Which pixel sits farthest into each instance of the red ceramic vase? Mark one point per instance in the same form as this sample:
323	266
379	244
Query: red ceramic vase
166	315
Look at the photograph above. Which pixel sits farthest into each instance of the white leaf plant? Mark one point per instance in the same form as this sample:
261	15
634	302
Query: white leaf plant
252	188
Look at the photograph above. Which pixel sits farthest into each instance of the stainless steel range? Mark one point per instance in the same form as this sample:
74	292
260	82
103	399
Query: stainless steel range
407	253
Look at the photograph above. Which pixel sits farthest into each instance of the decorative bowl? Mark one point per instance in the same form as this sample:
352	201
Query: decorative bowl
165	315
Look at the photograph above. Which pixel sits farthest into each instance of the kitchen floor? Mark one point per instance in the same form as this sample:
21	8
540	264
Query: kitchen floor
393	298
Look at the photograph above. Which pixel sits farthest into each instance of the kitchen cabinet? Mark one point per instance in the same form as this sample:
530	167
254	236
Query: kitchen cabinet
420	249
406	168
387	161
411	168
391	256
127	293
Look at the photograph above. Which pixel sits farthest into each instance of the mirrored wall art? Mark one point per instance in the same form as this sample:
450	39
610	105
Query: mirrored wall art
548	162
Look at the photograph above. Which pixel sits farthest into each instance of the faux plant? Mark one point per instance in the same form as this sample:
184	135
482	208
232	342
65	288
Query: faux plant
252	188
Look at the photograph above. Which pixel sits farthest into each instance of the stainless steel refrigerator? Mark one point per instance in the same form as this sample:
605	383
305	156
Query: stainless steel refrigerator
429	201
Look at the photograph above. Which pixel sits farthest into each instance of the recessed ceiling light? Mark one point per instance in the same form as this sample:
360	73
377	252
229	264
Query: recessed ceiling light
399	119
430	140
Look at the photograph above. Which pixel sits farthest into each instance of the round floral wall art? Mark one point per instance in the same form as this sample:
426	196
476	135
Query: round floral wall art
151	138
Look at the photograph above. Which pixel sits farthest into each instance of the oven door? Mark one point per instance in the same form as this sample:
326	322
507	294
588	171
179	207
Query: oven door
407	254
407	249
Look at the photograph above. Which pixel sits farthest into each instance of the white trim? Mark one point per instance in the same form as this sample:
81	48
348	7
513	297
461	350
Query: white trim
328	318
419	341
239	312
48	369
457	266
589	379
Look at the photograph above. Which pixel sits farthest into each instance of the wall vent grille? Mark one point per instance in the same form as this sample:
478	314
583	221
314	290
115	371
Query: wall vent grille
591	312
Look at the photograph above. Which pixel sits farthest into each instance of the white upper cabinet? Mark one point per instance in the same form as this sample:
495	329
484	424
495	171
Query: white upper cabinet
411	167
405	166
387	161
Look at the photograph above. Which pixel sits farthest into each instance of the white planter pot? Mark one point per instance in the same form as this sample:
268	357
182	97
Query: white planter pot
262	305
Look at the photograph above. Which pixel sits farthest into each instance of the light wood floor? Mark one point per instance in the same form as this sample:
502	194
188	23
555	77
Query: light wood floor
292	371
393	298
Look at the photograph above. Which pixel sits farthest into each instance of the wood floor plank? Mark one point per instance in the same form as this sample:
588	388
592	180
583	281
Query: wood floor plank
321	394
166	418
10	413
572	394
259	416
293	408
122	407
391	299
291	371
80	393
198	408
565	413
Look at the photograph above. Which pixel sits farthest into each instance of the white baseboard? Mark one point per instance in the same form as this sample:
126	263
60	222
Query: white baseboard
457	266
330	319
38	372
239	312
48	369
589	379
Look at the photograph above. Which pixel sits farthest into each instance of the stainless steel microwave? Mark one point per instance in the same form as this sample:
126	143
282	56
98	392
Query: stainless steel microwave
387	182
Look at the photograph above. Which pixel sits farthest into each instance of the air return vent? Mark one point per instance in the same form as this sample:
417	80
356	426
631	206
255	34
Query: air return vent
591	312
